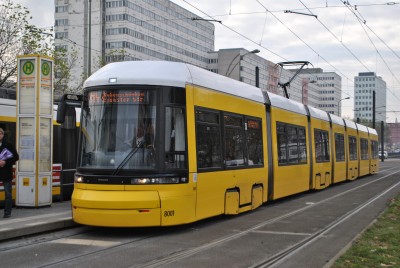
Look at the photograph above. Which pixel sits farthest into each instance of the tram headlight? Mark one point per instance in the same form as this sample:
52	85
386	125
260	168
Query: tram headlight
162	180
141	181
78	179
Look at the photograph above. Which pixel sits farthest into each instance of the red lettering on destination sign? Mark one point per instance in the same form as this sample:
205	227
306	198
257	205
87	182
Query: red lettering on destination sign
129	97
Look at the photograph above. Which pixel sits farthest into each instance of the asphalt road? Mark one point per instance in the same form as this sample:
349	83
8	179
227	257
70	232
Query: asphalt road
306	230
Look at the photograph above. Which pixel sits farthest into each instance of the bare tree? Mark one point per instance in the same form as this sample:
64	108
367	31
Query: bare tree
17	37
64	61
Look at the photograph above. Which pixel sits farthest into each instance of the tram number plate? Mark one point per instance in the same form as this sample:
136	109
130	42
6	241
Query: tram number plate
169	213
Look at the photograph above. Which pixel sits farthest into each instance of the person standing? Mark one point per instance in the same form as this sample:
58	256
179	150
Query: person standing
8	157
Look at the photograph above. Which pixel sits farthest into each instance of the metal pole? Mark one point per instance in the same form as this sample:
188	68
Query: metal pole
90	40
373	108
257	76
382	139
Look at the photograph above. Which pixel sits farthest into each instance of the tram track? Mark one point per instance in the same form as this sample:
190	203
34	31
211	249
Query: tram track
268	262
287	253
282	255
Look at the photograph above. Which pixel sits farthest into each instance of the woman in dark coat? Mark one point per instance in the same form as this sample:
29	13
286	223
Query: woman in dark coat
8	157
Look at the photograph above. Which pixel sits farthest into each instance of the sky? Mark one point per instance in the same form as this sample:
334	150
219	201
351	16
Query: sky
360	36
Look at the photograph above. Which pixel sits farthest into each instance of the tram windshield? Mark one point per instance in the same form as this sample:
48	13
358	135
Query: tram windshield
119	129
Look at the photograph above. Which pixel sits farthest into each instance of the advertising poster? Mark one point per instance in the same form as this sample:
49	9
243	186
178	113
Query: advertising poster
26	144
45	145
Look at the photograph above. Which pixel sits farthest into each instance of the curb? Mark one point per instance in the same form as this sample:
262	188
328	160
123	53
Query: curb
30	229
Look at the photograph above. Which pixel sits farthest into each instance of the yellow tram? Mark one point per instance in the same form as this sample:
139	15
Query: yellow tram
165	143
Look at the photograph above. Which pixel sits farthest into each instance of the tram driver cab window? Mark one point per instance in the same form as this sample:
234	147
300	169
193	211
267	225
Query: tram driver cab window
175	138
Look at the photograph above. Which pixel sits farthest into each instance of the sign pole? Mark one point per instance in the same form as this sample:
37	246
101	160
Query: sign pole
34	131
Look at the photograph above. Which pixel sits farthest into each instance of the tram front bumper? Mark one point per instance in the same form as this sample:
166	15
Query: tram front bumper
116	208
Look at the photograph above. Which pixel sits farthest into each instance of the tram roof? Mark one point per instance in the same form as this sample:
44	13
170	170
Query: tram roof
319	114
166	73
350	124
286	104
362	128
337	120
372	131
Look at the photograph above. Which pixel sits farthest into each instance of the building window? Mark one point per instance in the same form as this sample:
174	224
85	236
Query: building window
61	9
61	22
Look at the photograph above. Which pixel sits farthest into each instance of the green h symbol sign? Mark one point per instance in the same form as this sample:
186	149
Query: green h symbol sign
45	69
28	67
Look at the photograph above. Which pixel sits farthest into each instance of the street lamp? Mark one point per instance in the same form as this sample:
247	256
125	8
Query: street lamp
228	73
338	105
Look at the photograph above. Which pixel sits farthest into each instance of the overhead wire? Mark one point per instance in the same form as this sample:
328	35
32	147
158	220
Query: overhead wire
272	52
309	9
319	56
259	44
362	22
348	49
238	33
351	51
340	41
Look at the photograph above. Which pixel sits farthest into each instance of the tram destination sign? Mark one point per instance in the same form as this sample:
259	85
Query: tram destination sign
117	97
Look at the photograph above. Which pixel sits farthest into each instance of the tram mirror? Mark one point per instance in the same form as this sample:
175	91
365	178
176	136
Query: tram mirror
69	118
67	100
61	112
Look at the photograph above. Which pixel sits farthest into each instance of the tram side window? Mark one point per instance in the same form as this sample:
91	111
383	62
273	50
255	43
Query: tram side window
254	142
364	149
291	144
339	147
175	138
234	141
374	149
226	140
321	145
281	133
208	139
352	148
302	145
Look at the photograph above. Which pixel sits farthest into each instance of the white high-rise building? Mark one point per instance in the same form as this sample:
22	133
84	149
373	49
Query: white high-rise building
129	30
329	89
364	86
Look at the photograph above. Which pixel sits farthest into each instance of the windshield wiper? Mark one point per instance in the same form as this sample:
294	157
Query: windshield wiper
127	158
